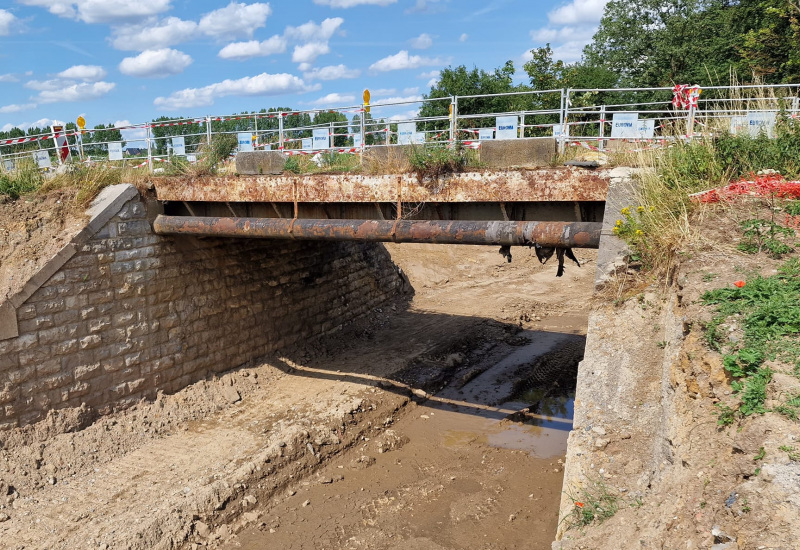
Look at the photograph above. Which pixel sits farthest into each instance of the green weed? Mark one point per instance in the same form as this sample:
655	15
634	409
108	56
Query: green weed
765	236
25	179
760	454
768	310
791	452
594	504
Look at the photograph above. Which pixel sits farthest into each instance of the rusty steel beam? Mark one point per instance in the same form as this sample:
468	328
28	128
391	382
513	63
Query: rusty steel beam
505	233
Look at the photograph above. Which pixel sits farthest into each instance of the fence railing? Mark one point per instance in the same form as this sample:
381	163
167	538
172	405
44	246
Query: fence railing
585	116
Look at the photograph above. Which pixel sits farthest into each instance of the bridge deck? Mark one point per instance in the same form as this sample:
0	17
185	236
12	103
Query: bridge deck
561	184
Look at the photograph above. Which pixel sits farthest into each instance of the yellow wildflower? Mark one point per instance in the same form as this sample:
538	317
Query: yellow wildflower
625	211
640	209
615	230
652	209
619	222
638	231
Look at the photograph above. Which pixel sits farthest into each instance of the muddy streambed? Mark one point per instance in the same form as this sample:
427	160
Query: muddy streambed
476	464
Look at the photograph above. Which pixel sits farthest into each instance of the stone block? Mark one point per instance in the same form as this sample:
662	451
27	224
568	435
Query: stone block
526	153
260	162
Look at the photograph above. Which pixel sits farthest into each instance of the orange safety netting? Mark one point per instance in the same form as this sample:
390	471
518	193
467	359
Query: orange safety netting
769	185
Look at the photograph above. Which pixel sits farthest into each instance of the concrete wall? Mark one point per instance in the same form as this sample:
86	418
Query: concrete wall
123	313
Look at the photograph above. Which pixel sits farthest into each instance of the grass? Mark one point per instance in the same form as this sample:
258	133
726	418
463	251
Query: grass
767	309
593	504
659	224
430	162
326	163
26	179
791	452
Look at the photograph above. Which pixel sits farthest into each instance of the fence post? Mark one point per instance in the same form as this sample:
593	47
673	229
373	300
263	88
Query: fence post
149	141
522	126
690	122
602	134
255	125
208	130
453	119
363	127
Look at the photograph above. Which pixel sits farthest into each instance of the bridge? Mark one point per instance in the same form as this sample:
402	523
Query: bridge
551	206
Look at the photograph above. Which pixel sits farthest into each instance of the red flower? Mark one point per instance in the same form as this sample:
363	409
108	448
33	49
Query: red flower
738	284
579	504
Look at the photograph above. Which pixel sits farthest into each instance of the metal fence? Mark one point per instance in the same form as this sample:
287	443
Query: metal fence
594	118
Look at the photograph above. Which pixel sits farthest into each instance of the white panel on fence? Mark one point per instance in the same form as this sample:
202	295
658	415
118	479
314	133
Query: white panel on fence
322	138
485	134
506	127
42	159
192	158
646	129
115	150
419	137
245	142
357	140
179	146
307	144
625	125
560	130
739	124
8	164
761	122
406	132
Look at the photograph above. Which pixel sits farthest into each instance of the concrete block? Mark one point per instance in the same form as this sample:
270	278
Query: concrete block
260	162
518	152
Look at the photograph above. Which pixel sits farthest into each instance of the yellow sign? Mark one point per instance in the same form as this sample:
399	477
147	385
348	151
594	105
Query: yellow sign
367	97
451	110
81	122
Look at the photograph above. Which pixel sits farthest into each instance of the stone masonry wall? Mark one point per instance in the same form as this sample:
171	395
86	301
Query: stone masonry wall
132	313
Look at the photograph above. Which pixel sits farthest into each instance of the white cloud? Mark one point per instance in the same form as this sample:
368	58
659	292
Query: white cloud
17	108
42	85
398	99
578	12
430	74
353	3
102	11
155	63
87	73
401	60
259	85
41	123
308	53
421	42
7	22
235	20
463	37
427	6
9	77
332	72
253	48
408	115
335	99
76	92
312	31
131	134
153	34
570	27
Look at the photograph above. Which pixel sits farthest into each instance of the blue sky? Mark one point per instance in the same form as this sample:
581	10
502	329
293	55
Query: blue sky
129	61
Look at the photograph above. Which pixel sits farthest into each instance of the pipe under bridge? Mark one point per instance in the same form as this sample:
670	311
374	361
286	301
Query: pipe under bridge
553	207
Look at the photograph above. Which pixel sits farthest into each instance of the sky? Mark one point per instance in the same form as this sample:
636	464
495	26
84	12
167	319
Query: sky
126	62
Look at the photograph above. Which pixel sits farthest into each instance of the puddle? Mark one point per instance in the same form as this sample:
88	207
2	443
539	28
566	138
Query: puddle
495	409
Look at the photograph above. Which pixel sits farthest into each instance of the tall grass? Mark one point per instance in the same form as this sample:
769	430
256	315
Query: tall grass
26	179
660	223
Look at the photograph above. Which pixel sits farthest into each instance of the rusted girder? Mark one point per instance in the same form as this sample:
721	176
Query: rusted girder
505	233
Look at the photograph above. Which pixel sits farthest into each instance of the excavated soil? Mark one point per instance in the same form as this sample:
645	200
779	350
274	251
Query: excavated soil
32	230
439	423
